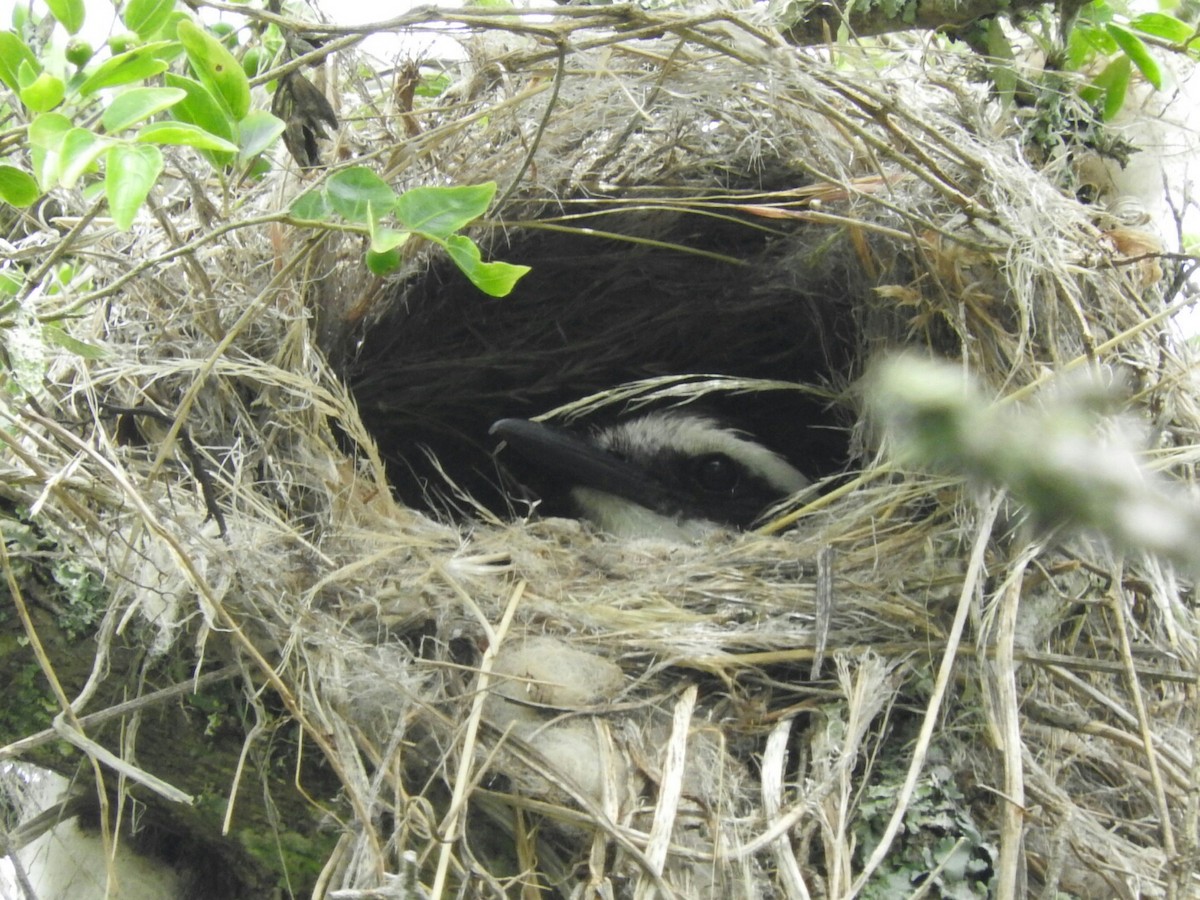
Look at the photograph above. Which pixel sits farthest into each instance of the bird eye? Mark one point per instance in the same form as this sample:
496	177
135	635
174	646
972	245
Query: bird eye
716	473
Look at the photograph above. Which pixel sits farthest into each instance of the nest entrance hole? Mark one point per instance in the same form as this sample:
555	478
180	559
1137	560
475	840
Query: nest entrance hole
676	294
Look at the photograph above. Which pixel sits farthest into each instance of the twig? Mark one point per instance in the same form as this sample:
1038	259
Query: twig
824	607
966	598
211	603
182	688
208	488
1004	705
774	761
1117	605
466	757
551	104
60	249
670	788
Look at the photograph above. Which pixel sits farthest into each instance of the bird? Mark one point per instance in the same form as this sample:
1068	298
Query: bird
665	474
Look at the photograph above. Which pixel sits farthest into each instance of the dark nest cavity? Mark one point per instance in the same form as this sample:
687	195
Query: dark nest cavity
667	295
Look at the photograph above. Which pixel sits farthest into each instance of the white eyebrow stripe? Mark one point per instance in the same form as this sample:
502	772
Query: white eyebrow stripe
697	436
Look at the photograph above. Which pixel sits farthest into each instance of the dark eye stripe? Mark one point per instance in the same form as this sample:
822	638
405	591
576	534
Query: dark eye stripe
715	473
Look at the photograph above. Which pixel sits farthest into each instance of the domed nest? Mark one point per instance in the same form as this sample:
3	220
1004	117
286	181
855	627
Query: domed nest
902	677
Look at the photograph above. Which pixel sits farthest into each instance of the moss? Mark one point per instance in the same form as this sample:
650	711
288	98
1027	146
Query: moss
28	704
84	595
939	836
48	576
300	856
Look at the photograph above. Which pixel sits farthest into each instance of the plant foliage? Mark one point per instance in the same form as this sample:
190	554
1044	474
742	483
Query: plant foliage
102	121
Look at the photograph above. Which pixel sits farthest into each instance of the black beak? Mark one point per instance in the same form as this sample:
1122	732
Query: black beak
581	463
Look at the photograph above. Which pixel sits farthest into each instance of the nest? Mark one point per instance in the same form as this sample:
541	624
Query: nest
904	686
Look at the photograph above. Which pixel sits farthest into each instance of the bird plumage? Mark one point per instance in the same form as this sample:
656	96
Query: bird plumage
669	474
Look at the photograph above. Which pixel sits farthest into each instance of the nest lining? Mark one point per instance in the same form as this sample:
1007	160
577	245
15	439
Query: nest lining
717	764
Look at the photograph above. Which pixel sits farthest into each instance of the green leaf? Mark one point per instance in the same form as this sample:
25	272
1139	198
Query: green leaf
55	334
138	104
1080	51
93	191
259	167
310	206
258	131
45	93
48	130
381	264
433	85
17	187
1087	42
496	279
183	134
13	52
358	194
46	134
1107	89
1137	52
10	283
441	211
147	17
132	171
200	108
80	150
134	65
1114	96
385	239
27	74
69	12
1161	25
216	67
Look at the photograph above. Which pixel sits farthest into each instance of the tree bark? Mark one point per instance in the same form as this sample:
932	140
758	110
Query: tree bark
820	21
191	739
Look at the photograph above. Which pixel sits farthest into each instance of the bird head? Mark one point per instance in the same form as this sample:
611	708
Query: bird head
667	474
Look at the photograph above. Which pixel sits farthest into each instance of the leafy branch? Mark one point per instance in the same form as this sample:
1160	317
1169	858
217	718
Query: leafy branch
367	203
100	120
